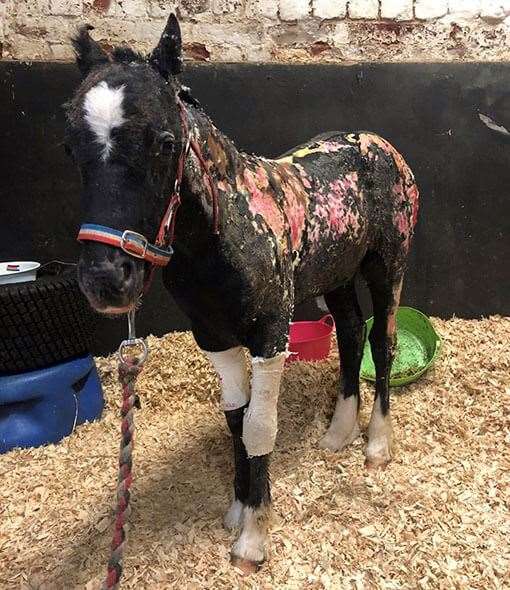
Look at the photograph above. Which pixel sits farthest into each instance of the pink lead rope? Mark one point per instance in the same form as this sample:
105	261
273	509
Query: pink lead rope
129	368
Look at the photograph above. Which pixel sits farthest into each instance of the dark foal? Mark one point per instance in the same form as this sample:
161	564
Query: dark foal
289	230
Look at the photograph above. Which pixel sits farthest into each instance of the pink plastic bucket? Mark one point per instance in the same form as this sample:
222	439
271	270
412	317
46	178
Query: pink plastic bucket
310	341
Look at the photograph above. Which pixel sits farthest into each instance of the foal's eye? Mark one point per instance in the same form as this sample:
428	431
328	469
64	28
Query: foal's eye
165	142
166	137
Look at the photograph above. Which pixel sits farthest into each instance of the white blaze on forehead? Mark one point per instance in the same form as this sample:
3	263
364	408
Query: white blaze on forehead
104	112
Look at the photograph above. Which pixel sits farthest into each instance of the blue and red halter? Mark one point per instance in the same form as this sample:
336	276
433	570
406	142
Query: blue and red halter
129	241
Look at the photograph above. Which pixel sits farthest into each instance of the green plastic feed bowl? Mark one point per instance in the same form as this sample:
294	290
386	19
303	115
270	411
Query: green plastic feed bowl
417	348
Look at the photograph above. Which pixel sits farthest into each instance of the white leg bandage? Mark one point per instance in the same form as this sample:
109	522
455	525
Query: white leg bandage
233	372
261	418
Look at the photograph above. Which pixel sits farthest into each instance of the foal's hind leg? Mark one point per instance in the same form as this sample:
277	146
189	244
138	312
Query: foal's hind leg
344	307
385	287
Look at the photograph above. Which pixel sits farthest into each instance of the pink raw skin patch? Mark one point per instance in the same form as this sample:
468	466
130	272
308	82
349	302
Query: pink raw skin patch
341	216
406	213
261	202
332	214
329	147
413	197
223	186
295	213
295	202
304	176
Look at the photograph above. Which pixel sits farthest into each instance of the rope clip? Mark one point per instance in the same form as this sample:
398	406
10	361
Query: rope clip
133	342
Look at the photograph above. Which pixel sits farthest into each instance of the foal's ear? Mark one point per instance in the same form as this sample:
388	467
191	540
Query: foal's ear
166	58
89	54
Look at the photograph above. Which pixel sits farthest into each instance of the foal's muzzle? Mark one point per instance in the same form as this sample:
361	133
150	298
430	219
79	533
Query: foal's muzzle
112	283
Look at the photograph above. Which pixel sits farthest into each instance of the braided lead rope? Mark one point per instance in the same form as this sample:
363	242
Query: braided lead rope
128	372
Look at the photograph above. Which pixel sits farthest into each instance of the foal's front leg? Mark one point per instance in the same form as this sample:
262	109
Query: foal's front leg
259	432
235	393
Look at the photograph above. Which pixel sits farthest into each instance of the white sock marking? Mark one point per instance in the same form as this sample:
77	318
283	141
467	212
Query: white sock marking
344	426
379	435
251	544
104	112
233	516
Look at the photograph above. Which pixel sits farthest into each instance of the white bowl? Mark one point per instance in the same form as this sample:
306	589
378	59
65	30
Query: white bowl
24	272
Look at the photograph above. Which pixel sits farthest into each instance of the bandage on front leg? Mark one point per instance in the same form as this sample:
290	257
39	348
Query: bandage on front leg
260	422
231	367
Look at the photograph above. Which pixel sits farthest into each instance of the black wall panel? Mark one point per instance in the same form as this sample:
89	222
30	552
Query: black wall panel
460	261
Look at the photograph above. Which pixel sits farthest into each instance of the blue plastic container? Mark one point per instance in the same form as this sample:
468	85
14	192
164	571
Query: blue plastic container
43	406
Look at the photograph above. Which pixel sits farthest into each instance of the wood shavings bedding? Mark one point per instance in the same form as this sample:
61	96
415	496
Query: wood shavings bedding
438	517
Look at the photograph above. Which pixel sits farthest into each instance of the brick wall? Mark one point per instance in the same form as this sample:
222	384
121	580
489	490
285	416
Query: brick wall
269	30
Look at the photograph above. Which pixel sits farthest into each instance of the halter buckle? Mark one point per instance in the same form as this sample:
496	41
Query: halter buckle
132	237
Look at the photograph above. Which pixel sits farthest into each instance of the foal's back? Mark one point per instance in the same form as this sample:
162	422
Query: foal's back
345	195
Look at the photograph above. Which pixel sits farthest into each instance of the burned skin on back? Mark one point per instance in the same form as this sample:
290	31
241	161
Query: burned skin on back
325	204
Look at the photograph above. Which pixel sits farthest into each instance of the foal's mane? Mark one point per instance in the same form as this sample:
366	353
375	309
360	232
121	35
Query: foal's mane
126	55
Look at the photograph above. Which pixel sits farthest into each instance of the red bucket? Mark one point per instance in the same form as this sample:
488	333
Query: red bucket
310	341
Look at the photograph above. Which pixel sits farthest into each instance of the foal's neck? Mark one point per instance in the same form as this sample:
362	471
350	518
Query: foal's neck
223	161
219	152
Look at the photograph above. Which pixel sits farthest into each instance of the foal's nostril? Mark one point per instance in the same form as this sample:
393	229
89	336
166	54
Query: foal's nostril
127	270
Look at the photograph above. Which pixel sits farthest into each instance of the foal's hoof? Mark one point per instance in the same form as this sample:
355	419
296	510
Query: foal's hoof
337	441
376	464
378	454
246	565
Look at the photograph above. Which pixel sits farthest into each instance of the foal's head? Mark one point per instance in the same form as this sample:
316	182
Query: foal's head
124	133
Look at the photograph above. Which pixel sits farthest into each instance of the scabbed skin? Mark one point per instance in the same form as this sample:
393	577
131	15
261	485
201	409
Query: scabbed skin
290	229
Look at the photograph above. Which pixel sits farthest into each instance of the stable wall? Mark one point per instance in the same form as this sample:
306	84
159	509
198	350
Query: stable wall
342	31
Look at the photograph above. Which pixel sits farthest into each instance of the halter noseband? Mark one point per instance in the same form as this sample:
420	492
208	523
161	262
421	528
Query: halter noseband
137	245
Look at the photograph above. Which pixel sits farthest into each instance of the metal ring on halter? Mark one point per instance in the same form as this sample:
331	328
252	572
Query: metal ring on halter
132	340
138	342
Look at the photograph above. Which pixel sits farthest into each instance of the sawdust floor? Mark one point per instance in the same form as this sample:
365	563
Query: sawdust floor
438	517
